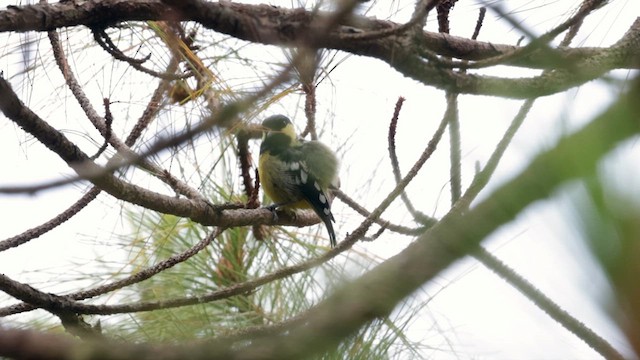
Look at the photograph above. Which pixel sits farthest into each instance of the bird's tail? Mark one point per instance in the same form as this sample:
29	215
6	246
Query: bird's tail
332	234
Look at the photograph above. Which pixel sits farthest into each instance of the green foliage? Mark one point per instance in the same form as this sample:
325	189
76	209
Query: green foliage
608	216
234	257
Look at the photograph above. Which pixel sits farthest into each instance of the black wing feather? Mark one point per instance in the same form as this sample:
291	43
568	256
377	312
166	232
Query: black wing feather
314	195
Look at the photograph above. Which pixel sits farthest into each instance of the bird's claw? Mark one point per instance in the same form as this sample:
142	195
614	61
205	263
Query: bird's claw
273	208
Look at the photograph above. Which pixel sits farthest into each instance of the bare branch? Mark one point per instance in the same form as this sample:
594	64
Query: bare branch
455	171
108	122
395	166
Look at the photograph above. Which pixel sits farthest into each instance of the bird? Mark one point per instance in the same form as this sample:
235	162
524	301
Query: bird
296	173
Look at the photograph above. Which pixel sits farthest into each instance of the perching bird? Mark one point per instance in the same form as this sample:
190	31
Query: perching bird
297	174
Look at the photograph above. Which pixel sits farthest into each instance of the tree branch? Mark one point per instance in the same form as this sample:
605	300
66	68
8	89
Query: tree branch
287	27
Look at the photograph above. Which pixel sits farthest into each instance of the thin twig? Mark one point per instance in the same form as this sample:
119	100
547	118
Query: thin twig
306	70
259	231
455	140
153	106
404	230
101	37
537	43
395	165
39	230
103	289
244	158
451	113
417	21
479	22
482	178
587	6
108	122
310	109
105	42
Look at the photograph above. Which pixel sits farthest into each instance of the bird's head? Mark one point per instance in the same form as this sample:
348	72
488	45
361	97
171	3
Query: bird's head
279	124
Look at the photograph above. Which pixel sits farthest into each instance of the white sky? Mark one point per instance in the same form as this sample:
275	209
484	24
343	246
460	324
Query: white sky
474	314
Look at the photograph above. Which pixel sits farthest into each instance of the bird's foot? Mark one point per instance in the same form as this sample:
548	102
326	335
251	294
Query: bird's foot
273	208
